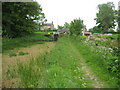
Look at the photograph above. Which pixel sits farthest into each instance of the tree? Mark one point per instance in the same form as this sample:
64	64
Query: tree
111	30
20	18
106	16
66	25
96	29
60	27
118	19
76	26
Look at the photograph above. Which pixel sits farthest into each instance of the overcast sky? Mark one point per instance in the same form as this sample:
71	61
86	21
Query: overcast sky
61	11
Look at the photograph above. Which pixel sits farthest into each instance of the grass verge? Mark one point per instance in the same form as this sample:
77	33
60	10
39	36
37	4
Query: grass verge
37	38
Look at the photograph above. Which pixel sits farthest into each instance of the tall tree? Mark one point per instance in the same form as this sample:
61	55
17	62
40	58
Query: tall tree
118	17
76	26
106	16
66	25
96	29
20	18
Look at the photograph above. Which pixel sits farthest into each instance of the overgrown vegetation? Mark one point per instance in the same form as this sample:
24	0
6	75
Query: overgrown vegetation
37	38
61	68
102	58
112	45
28	75
32	74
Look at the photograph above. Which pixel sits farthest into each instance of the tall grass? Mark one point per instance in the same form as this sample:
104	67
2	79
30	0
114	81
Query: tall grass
30	74
37	38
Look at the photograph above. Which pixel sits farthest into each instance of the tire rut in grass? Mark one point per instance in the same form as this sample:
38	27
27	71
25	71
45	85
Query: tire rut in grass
89	75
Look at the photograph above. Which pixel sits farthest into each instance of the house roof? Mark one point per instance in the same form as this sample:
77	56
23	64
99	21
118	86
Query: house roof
63	30
87	32
48	24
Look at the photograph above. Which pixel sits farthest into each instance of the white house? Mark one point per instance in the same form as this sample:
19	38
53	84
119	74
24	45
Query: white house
47	26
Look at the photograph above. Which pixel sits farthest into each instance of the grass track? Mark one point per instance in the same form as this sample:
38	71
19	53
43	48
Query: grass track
64	68
69	66
89	75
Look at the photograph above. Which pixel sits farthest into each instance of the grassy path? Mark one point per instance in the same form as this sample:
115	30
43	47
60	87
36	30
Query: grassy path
66	67
89	75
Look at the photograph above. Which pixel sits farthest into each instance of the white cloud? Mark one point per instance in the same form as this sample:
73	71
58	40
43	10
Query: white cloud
61	11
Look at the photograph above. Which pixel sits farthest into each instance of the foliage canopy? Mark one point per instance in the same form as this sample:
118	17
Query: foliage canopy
20	18
106	16
76	26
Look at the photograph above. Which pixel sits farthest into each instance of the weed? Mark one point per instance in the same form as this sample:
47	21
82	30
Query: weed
32	73
19	54
12	54
22	53
11	71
